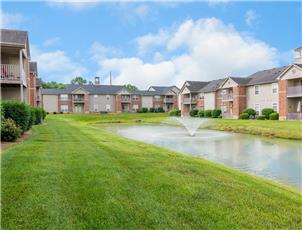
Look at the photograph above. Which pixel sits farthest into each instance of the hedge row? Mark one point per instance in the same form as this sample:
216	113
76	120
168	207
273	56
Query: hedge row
18	117
215	113
266	114
175	113
151	110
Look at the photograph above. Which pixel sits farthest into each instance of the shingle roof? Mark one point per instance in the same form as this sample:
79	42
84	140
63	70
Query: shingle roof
241	80
212	86
145	92
161	90
33	67
195	86
13	36
300	65
266	76
53	91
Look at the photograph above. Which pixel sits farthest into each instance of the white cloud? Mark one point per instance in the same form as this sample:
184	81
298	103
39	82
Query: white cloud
56	65
73	4
52	41
204	49
11	20
250	17
142	11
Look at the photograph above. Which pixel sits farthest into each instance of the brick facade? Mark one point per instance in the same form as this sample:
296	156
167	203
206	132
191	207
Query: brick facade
282	99
32	90
239	100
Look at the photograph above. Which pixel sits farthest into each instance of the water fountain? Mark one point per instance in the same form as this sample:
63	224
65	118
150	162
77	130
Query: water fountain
191	124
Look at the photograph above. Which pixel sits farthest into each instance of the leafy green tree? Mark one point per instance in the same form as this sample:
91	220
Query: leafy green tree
78	81
131	87
52	85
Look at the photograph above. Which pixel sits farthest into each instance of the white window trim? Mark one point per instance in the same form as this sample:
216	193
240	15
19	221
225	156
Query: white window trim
65	98
259	108
277	87
255	90
107	97
277	106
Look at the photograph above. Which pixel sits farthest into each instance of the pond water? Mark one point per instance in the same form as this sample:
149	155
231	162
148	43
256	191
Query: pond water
276	159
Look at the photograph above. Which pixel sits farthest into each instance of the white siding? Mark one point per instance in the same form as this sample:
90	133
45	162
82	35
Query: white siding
265	99
50	103
147	102
209	100
102	103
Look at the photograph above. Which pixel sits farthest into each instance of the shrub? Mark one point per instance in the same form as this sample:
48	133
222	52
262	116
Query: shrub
219	116
261	117
266	112
144	110
244	116
201	113
216	113
44	114
151	110
32	118
175	112
193	112
160	110
39	115
19	112
9	130
54	112
208	113
274	116
250	112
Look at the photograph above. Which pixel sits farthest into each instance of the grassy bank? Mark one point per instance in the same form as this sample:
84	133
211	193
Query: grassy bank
70	175
280	129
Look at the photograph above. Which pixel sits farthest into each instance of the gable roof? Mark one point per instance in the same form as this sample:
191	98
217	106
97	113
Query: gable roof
241	80
195	86
161	90
13	37
212	86
266	76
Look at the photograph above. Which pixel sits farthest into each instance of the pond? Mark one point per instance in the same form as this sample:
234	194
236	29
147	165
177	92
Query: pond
277	159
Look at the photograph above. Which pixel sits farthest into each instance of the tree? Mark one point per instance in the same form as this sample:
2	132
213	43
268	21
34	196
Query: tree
52	85
131	87
78	81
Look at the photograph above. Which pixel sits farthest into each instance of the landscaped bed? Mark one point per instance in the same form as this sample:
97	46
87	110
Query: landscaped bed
72	175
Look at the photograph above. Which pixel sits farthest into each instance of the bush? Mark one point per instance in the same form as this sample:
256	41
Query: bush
261	117
244	116
201	113
160	110
39	115
193	112
32	118
208	113
19	112
250	112
219	116
44	114
144	110
266	112
151	110
9	130
274	116
216	113
175	113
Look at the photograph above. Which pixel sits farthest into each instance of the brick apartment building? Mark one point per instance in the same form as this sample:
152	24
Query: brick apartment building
19	76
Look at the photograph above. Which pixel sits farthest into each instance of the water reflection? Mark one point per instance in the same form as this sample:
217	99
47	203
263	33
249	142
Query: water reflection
279	160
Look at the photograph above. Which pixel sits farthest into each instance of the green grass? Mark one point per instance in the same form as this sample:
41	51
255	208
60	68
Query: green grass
71	175
280	129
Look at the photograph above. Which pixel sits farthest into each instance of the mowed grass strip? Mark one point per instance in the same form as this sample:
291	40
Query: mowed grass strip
70	175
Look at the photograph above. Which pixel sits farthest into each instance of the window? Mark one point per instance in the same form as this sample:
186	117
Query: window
275	107
108	108
64	97
275	88
64	108
135	97
95	107
224	92
107	97
135	108
257	89
257	108
157	97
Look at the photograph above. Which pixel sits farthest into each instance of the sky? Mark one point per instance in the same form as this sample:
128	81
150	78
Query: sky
156	43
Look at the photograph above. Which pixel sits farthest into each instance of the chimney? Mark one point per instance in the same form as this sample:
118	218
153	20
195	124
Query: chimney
298	55
96	80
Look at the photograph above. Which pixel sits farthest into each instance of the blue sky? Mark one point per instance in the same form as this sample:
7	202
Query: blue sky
156	42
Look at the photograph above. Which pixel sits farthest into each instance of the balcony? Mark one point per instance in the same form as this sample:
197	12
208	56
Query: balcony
168	100
78	100
227	97
294	91
10	73
190	100
125	99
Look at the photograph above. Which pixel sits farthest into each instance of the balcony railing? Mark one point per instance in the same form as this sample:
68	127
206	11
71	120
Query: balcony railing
78	99
125	99
190	100
227	97
294	91
168	100
294	116
10	72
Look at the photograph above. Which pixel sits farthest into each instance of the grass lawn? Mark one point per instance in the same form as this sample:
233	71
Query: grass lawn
71	175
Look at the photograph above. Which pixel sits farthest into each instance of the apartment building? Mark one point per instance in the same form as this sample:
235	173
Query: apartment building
18	80
107	98
276	88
